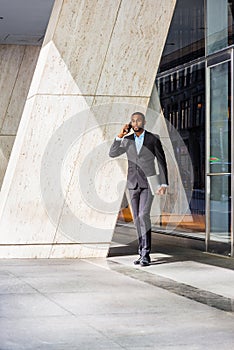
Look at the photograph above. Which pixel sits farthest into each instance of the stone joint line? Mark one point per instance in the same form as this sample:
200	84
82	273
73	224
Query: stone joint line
202	296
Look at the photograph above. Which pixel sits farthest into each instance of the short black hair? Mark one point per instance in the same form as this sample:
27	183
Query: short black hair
139	113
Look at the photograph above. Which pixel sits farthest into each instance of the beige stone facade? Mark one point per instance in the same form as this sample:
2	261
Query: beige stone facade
97	65
17	65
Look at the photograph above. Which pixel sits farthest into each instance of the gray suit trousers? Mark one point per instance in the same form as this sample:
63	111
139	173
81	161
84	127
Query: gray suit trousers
141	202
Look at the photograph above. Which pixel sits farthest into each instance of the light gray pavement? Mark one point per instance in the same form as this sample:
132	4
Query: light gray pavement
176	303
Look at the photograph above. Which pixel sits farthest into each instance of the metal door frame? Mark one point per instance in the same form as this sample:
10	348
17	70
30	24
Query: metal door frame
213	60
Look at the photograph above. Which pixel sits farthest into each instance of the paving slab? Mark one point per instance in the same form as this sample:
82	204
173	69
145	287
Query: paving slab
90	304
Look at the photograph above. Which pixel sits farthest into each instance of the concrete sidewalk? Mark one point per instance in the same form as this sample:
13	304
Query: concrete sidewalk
176	303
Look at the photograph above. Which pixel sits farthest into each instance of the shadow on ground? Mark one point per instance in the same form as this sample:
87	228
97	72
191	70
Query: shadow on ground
125	243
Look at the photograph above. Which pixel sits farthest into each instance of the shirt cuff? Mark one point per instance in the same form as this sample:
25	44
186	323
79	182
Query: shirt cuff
118	138
164	185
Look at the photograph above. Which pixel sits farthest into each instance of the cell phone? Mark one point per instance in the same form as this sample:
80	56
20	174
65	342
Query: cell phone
129	127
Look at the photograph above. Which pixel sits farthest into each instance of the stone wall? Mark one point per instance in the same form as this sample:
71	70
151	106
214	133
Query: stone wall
17	65
62	193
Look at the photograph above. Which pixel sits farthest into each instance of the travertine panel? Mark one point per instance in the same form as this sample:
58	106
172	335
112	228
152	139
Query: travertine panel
25	208
79	250
25	251
10	60
6	144
54	17
17	64
82	36
17	98
15	154
53	251
137	41
52	75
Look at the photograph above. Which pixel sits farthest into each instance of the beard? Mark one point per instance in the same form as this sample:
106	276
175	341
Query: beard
136	129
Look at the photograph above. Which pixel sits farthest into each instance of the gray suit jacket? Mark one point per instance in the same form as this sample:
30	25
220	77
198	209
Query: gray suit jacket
141	165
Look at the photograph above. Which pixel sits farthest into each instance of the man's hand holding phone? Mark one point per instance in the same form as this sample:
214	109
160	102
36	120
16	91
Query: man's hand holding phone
125	130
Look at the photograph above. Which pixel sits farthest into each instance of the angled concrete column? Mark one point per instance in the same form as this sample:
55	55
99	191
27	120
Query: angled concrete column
61	193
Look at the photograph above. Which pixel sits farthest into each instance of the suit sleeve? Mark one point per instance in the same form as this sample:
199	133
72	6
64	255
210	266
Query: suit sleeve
117	148
162	163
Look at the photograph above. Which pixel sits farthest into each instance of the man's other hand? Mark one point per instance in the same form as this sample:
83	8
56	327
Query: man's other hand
161	190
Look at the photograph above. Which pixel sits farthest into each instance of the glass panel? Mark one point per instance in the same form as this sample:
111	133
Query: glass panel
219	32
220	208
184	108
220	158
186	37
181	87
220	124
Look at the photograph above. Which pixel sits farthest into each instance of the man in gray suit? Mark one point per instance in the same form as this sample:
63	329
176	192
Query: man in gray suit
141	148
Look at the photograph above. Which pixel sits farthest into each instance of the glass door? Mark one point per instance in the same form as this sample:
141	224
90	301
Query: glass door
218	175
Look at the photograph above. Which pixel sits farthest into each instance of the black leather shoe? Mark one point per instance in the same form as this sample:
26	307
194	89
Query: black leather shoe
137	262
144	262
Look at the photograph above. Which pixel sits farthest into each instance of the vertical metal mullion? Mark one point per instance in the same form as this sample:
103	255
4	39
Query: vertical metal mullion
207	196
232	152
206	28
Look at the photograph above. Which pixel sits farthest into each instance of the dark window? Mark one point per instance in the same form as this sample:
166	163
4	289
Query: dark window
186	37
182	68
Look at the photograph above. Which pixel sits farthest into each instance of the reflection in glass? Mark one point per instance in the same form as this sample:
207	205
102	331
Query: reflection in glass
184	108
220	127
186	37
220	208
219	24
181	87
220	153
